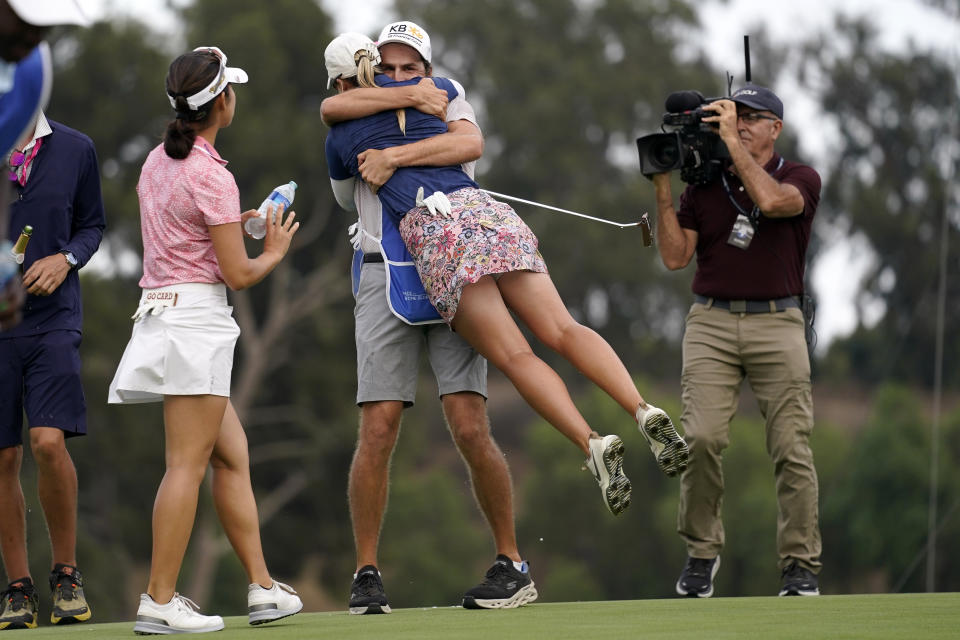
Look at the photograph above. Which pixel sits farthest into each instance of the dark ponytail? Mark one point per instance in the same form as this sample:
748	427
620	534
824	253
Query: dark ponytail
188	74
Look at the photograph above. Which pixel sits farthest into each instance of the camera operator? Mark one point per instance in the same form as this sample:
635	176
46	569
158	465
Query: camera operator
749	229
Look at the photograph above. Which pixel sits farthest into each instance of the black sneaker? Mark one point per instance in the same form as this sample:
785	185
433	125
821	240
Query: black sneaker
798	581
696	579
366	592
19	604
69	604
503	587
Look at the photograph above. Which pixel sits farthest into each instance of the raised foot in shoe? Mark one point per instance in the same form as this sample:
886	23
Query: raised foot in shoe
669	449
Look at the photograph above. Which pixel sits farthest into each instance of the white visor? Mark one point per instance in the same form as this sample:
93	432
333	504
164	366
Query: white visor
225	76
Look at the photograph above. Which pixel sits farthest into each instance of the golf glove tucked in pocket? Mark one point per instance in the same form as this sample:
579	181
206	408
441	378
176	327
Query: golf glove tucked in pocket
436	204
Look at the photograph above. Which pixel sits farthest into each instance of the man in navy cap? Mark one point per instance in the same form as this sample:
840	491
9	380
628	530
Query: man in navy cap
749	229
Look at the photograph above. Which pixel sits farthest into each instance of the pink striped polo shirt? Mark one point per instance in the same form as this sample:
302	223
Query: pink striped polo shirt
178	200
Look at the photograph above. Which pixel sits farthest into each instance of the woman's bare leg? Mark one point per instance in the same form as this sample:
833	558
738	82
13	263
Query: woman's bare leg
191	427
485	322
233	497
536	301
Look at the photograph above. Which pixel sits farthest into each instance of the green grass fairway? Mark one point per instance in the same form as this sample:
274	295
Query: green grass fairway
873	617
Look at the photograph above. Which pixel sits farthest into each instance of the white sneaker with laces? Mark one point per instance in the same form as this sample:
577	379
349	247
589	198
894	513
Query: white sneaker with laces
668	447
267	605
180	615
606	465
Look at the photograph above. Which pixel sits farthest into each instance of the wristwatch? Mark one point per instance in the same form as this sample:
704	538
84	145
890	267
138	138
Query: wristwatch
71	259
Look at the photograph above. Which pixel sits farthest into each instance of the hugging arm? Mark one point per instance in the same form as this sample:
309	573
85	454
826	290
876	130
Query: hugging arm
462	143
357	103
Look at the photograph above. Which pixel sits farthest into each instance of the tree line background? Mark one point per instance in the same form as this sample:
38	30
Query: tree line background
562	90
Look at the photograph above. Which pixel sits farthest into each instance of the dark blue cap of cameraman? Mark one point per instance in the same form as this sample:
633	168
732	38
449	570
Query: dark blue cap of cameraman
760	98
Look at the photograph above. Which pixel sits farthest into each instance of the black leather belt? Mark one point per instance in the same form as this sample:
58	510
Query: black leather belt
749	306
372	257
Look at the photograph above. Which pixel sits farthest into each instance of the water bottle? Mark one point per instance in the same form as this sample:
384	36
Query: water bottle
256	226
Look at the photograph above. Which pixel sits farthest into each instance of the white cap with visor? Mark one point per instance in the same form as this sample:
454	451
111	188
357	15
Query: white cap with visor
226	75
343	54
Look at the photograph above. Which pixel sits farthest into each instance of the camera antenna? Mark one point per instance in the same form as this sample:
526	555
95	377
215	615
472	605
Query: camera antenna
746	55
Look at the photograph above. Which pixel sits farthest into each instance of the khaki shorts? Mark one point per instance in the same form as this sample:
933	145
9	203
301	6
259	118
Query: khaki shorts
388	349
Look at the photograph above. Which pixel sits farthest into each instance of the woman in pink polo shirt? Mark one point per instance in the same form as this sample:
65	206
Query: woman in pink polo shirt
181	350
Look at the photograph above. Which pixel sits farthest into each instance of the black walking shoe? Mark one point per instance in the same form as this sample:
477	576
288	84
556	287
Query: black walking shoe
696	579
366	592
19	604
798	581
69	604
503	587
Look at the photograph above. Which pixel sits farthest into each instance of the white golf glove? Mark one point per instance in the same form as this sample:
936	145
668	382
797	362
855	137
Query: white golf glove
152	308
353	232
436	204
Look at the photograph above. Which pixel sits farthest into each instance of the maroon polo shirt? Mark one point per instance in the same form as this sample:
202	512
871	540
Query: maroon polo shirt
773	265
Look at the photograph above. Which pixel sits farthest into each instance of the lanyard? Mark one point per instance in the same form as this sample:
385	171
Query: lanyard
754	214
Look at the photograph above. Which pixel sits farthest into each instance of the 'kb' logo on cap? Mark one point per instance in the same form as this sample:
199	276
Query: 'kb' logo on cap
402	29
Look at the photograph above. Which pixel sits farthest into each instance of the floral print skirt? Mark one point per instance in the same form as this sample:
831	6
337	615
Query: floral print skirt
483	237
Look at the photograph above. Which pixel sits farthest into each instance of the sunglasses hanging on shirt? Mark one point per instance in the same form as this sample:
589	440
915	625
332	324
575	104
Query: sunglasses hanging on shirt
19	163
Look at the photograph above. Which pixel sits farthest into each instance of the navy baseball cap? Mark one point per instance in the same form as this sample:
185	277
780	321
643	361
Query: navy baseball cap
757	97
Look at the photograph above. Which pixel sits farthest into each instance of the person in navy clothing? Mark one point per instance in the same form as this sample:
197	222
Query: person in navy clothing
55	173
25	79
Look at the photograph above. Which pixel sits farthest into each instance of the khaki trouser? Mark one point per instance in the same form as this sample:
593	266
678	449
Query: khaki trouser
719	349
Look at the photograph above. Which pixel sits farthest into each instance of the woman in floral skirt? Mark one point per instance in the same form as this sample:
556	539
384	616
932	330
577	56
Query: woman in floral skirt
478	262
